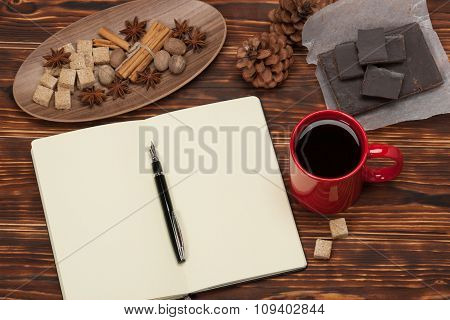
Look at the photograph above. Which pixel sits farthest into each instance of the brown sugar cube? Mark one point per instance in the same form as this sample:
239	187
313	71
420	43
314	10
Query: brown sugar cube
42	96
101	55
84	46
59	88
85	78
323	249
89	61
53	71
49	81
338	228
77	61
67	79
62	99
68	48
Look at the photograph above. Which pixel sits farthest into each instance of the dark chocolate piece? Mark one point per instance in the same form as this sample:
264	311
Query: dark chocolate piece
371	46
419	69
395	46
380	82
347	61
347	93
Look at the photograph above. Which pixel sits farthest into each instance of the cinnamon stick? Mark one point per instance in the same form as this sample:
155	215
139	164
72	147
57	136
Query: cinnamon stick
149	58
114	38
154	40
104	43
130	65
110	46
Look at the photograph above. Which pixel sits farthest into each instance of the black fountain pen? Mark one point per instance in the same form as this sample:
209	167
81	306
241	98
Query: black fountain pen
166	203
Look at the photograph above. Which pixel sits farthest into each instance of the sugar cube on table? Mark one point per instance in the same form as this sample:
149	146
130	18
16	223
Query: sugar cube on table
84	46
53	71
77	61
49	81
338	228
42	96
85	78
322	250
62	99
89	61
101	55
67	79
68	48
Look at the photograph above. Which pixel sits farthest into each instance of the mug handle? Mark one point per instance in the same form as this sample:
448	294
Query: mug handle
387	173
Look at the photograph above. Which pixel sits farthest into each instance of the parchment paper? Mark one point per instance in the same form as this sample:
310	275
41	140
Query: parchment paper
340	21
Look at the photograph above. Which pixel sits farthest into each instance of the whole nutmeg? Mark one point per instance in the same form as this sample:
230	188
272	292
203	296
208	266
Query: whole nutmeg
161	60
106	75
175	46
117	57
177	64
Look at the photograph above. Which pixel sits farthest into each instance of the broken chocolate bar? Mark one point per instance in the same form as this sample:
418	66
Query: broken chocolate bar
395	46
347	61
419	69
380	82
347	93
371	46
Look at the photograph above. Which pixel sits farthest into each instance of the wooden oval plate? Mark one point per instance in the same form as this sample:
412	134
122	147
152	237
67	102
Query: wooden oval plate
198	13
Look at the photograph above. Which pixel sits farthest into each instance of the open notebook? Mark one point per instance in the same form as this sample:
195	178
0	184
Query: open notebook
106	225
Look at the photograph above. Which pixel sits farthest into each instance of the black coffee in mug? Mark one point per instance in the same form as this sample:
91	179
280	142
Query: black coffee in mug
328	149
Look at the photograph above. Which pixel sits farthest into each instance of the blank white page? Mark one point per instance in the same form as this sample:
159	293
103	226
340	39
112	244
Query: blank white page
108	234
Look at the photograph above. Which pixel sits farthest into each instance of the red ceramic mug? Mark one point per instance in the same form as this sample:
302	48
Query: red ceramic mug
334	195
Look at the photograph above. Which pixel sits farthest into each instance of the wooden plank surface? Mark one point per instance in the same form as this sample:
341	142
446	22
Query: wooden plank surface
400	231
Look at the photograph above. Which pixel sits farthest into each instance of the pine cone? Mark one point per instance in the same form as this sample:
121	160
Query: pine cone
288	19
265	60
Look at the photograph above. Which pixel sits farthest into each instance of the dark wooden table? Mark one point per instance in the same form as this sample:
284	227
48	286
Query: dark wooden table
399	246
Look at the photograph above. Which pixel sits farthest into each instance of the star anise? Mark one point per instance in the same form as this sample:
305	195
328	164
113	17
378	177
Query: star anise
181	30
196	40
149	77
91	96
119	88
134	30
57	58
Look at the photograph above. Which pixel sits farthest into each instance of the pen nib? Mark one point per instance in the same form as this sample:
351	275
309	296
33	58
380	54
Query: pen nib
153	153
